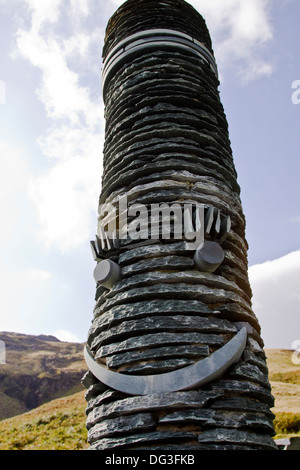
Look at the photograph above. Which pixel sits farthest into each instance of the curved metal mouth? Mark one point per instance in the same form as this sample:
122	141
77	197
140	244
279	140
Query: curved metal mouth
153	39
196	375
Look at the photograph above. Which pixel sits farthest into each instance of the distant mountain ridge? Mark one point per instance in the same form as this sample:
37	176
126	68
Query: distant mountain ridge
38	369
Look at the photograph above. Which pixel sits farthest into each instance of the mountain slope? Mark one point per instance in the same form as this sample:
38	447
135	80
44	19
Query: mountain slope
57	425
38	369
284	376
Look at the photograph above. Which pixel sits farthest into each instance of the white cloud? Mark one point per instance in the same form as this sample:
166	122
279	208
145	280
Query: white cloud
240	29
276	299
37	275
43	11
22	287
80	7
60	91
22	294
66	195
13	177
66	336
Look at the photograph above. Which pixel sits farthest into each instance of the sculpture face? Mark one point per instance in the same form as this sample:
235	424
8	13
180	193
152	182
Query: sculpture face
175	354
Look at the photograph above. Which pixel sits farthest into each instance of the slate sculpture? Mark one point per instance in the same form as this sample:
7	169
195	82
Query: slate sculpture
174	352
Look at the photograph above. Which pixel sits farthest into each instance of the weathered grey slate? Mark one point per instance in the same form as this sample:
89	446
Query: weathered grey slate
121	178
140	422
244	388
189	277
109	443
159	339
190	351
147	403
250	372
237	437
158	323
199	447
152	251
167	262
104	397
157	367
95	390
256	360
243	404
234	312
208	418
144	309
178	291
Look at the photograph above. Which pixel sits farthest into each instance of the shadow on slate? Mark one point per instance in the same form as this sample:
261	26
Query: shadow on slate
167	142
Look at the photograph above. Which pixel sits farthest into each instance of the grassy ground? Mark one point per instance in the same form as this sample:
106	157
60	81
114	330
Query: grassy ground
285	380
57	425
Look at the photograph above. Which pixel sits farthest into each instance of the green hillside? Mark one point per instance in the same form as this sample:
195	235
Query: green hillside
57	425
38	369
285	380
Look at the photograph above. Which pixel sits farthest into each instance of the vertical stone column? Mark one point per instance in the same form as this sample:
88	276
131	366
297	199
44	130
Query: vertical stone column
175	355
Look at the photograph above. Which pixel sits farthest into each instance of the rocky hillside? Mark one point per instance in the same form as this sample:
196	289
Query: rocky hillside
38	369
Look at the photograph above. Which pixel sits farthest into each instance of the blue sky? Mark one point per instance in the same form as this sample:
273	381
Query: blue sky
51	138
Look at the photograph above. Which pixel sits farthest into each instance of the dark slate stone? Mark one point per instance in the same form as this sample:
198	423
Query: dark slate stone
105	396
147	403
168	128
157	367
249	372
176	291
125	441
244	388
156	112
234	312
88	379
189	277
156	147
158	339
121	177
94	390
188	416
199	447
157	324
255	347
256	360
152	251
144	309
166	262
235	436
242	404
207	418
190	351
140	422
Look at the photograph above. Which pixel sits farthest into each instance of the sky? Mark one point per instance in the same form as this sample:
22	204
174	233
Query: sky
51	139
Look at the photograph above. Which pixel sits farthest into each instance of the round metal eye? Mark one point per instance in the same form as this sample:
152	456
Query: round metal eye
209	257
107	273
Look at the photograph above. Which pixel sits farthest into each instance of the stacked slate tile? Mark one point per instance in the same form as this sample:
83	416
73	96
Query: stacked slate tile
167	142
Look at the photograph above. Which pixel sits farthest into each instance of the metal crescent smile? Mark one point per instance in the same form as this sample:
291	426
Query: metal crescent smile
192	376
